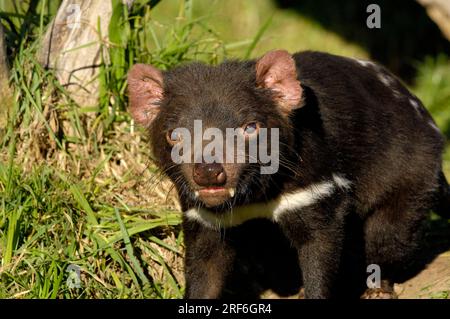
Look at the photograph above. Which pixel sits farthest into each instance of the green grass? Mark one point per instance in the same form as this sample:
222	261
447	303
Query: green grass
69	174
49	222
77	185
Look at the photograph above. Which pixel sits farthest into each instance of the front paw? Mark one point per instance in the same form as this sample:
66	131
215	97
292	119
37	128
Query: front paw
386	291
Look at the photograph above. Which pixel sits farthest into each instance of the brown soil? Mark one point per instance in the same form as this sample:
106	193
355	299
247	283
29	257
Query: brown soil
431	282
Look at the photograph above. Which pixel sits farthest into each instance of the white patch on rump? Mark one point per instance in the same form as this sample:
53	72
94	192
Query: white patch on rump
415	105
365	63
434	126
271	210
388	81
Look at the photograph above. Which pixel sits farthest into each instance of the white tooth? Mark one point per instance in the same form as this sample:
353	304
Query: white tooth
196	193
232	191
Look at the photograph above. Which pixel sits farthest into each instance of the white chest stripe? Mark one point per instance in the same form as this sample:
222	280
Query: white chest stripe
273	209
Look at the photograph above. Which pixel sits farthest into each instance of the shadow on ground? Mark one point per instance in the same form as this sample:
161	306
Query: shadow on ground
429	276
437	241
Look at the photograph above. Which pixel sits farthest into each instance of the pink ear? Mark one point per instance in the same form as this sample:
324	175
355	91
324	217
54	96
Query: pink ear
276	70
145	91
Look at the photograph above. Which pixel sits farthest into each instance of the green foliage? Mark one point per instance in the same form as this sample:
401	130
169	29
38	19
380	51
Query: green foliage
433	87
21	18
76	185
49	222
133	38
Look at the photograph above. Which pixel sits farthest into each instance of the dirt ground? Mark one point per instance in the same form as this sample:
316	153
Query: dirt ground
431	282
430	278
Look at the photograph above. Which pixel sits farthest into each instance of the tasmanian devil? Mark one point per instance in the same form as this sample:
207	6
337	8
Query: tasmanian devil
358	170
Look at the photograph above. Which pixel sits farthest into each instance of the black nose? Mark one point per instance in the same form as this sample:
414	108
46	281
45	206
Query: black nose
209	174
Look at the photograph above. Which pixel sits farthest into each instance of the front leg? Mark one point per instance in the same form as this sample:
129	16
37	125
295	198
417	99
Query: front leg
320	261
207	263
317	234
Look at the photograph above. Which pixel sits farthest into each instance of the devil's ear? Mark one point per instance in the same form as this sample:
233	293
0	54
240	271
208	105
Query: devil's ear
276	71
145	92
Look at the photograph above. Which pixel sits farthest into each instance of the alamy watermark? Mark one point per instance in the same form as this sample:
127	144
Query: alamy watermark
226	148
374	279
374	19
73	278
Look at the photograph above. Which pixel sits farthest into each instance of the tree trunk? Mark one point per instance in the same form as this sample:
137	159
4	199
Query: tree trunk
5	90
72	46
439	12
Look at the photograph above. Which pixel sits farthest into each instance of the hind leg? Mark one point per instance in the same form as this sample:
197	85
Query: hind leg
393	235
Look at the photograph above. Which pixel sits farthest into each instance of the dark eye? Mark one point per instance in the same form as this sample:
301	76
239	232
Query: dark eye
173	137
251	129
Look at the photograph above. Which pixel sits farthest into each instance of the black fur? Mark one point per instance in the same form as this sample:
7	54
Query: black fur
351	124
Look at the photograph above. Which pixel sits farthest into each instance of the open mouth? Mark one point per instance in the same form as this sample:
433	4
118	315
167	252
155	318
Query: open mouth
211	191
213	196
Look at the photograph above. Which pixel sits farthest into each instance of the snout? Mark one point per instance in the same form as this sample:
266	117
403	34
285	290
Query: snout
211	180
207	175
